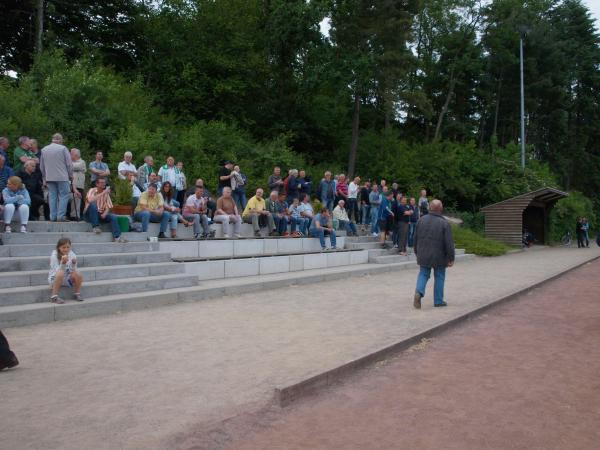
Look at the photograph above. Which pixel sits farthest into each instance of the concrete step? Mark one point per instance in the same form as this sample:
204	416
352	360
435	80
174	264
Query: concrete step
113	272
363	245
245	266
21	315
53	227
37	294
76	237
397	258
90	260
78	248
228	248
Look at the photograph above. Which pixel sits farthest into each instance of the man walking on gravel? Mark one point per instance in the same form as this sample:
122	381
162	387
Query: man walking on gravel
434	248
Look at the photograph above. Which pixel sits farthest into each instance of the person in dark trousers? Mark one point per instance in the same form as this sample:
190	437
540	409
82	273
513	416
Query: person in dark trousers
580	232
434	248
7	358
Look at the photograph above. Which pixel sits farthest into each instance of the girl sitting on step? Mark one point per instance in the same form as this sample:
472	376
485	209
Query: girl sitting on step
63	271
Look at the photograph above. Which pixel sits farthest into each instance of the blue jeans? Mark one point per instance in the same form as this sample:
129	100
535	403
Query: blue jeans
58	198
321	233
329	204
93	216
239	196
299	222
374	219
281	223
146	217
349	227
412	226
438	286
365	210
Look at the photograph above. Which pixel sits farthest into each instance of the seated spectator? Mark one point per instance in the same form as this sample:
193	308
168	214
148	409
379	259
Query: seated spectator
293	186
98	169
16	198
256	214
238	183
181	183
299	224
5	172
150	208
341	215
211	205
32	179
76	204
126	167
278	210
97	209
153	178
172	206
23	154
195	211
322	226
227	213
306	210
144	171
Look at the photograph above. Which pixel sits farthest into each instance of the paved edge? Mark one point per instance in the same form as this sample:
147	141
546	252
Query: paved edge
284	396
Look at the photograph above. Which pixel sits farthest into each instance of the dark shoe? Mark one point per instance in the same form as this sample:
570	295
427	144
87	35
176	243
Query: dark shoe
257	234
161	235
417	300
439	305
10	363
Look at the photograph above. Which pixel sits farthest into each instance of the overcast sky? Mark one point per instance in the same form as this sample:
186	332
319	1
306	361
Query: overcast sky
594	6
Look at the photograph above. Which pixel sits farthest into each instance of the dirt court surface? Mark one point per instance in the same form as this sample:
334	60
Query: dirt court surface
525	375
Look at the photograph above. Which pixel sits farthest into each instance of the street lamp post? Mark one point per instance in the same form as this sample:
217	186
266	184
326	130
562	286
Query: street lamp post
523	31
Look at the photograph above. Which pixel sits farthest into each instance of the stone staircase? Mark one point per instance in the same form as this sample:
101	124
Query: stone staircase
120	277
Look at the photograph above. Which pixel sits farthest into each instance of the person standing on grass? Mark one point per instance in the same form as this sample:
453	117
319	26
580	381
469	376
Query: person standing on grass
434	248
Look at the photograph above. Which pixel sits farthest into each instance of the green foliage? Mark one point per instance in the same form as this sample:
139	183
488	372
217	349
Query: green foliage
566	212
121	191
476	244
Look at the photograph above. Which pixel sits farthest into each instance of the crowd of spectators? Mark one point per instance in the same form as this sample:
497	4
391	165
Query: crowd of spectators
52	182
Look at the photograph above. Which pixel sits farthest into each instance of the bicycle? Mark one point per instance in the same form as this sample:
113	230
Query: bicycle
567	239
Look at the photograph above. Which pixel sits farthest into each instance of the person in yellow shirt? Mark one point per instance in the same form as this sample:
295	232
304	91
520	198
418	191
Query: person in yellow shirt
256	214
150	208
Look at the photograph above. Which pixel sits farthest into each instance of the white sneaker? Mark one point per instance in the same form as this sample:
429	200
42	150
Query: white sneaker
97	230
7	229
23	228
226	236
237	235
375	235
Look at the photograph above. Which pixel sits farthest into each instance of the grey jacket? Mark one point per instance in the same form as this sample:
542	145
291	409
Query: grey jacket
56	163
434	245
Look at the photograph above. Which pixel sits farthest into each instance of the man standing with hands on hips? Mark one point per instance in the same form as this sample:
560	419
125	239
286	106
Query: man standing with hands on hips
434	247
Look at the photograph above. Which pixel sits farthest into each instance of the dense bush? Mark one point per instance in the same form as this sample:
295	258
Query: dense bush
566	212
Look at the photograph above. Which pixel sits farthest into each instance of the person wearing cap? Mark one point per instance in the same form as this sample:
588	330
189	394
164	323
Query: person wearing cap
224	177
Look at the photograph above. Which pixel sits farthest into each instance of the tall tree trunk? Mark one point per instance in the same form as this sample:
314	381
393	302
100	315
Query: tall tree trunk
39	26
354	142
438	127
497	109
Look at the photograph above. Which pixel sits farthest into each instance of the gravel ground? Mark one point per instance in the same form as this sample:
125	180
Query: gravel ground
139	380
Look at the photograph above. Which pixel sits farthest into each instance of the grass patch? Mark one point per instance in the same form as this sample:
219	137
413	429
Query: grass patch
477	244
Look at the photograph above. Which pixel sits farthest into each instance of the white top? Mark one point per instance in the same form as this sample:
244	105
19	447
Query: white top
168	174
125	166
353	189
56	265
340	214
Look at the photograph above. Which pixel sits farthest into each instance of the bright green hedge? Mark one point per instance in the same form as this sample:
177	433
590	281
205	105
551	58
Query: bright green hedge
477	244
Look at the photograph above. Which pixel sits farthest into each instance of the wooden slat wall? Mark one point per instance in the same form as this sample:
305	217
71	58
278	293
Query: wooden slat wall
504	222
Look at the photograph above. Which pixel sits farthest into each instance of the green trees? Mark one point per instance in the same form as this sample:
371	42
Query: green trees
422	91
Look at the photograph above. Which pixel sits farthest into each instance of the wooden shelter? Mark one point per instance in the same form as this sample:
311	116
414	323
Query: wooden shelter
506	220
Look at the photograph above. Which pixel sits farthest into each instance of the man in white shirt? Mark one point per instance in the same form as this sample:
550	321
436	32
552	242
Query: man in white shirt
126	167
169	172
353	190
